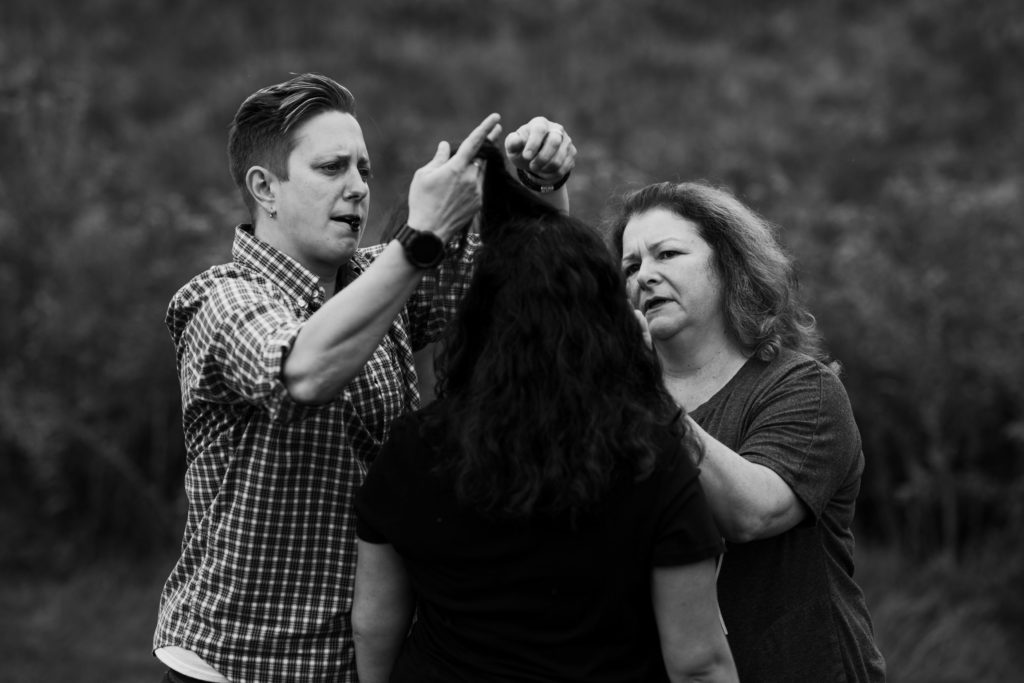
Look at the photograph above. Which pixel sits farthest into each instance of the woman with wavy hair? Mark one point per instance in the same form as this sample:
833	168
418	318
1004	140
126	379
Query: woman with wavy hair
740	353
544	515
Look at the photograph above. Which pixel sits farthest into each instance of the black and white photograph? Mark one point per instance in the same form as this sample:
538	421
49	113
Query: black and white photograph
577	341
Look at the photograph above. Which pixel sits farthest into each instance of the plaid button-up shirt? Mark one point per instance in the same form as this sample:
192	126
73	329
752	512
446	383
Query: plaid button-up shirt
263	588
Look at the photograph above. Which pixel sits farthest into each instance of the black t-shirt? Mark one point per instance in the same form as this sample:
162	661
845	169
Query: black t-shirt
533	599
792	608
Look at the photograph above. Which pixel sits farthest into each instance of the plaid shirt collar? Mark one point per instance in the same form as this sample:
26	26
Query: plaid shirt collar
252	253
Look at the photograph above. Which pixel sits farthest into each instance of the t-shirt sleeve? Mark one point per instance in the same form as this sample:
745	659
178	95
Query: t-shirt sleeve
686	531
804	431
384	490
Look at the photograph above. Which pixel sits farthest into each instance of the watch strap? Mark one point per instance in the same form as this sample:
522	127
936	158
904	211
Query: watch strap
537	185
423	249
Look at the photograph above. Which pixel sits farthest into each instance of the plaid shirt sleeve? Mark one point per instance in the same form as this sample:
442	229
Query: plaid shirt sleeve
235	349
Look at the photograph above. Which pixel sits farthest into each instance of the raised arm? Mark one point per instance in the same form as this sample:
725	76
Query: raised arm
337	340
749	501
543	150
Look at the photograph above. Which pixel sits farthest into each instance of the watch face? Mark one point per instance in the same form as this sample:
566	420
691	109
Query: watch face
424	249
427	249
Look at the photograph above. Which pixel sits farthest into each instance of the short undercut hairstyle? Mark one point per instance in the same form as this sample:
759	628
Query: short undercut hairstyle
262	131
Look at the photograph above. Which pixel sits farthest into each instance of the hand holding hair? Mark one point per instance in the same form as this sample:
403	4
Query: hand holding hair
541	148
445	194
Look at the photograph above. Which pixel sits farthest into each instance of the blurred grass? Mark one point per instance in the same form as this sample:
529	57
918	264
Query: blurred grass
942	622
936	622
92	625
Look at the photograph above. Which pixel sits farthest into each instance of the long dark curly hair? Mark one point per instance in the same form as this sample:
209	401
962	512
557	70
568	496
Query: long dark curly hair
546	390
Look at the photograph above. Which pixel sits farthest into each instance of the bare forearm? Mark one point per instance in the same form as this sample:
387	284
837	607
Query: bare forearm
693	644
337	340
720	670
558	199
382	609
749	501
376	654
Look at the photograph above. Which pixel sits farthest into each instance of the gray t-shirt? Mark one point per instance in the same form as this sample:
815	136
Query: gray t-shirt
793	610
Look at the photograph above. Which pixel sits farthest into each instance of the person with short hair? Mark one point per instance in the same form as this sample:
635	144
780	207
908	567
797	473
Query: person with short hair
741	354
294	360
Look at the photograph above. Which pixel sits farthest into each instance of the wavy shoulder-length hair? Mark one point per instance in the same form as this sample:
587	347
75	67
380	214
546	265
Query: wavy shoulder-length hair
763	311
546	390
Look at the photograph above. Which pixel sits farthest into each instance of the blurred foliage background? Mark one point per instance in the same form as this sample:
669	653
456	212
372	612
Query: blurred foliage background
884	138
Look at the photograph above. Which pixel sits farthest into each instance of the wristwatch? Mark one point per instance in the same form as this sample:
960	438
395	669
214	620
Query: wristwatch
424	249
537	185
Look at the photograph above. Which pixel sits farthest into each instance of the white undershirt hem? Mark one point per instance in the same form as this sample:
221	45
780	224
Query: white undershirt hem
189	663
